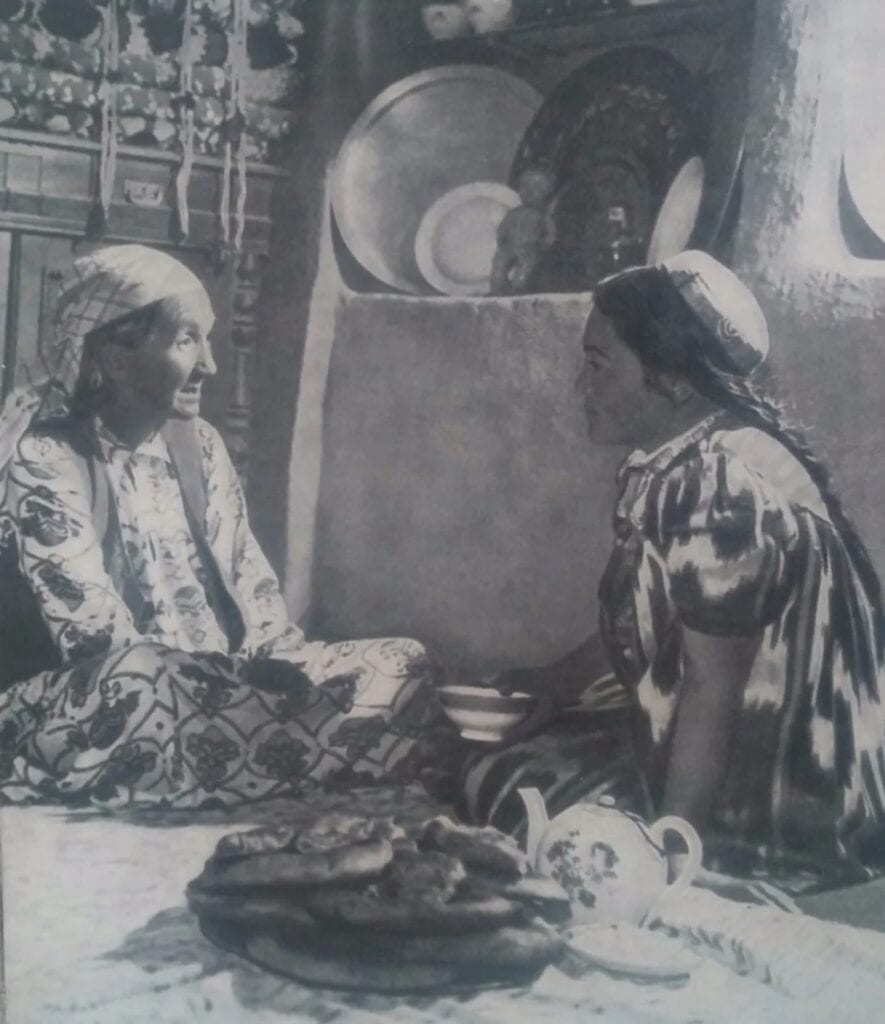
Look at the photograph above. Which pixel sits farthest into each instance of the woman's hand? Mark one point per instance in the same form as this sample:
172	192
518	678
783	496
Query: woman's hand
520	680
543	712
537	682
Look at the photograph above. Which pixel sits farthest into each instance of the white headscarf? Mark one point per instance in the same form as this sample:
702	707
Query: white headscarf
102	287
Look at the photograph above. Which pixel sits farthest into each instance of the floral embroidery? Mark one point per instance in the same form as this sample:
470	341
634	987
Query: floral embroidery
282	756
359	735
162	711
213	752
82	646
68	591
110	721
126	766
45	524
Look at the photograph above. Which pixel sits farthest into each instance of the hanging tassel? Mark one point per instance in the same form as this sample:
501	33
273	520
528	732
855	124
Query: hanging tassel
107	93
235	134
241	192
225	192
186	120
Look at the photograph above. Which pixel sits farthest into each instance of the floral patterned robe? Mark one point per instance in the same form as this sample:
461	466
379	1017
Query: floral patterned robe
175	675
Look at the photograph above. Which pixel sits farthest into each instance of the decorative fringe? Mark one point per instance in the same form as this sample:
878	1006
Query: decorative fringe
186	102
237	65
107	93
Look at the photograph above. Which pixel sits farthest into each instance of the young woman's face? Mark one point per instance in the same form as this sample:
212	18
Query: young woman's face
620	407
164	373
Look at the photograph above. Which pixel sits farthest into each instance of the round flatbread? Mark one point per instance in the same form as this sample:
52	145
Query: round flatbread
345	908
538	895
359	862
355	973
422	874
525	946
256	913
335	830
513	958
545	896
482	849
266	839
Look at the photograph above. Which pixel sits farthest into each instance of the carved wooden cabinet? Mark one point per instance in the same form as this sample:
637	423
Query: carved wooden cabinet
48	187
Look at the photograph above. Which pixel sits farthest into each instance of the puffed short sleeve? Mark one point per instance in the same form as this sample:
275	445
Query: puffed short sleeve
727	539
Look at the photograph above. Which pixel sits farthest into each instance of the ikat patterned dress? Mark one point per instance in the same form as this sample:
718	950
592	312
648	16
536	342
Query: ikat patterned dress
167	686
724	532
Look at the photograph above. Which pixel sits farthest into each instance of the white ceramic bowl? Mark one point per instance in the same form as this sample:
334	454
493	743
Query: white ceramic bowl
483	714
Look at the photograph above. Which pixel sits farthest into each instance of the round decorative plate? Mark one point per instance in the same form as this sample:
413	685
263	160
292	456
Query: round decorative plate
614	134
417	140
678	213
458	237
629	949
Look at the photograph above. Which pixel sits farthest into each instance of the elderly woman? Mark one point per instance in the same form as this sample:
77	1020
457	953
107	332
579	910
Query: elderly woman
146	653
739	608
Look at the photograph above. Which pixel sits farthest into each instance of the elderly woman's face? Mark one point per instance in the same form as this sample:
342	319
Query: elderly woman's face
620	407
164	373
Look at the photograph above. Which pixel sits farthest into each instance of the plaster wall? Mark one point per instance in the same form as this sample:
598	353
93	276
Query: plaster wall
459	499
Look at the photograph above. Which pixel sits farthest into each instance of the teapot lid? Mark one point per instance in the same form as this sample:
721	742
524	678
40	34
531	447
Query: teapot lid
608	805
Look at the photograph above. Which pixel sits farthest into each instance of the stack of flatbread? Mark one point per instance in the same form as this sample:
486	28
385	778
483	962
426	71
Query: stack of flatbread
358	903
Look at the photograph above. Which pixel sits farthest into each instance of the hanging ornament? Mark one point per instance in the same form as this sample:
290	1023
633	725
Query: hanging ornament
107	95
234	143
185	103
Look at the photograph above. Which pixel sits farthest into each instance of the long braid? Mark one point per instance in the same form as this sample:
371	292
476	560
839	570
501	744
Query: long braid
653	319
750	403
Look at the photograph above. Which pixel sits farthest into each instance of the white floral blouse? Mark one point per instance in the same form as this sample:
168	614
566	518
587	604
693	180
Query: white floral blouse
159	567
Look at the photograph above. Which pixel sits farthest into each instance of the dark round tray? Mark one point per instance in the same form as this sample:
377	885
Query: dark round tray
614	134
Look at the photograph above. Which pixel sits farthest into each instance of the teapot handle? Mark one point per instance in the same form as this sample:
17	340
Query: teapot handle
670	823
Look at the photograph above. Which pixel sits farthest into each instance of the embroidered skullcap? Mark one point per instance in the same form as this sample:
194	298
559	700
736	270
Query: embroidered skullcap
724	305
692	286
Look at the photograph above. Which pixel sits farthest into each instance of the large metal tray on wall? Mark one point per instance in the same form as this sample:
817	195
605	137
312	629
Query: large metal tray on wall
417	140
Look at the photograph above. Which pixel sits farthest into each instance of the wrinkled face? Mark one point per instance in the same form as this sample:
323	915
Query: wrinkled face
620	407
163	374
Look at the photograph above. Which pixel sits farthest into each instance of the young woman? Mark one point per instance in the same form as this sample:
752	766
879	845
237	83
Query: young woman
739	608
146	652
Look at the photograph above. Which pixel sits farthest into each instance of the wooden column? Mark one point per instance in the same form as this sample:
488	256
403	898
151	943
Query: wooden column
246	281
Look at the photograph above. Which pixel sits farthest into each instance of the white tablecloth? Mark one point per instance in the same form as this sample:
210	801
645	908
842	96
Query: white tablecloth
97	932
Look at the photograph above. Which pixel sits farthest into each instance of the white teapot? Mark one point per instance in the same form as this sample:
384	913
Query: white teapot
611	864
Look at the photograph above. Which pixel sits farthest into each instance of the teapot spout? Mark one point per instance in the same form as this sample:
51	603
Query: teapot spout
537	820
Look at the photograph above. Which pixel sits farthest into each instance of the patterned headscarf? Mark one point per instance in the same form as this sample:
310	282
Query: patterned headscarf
102	287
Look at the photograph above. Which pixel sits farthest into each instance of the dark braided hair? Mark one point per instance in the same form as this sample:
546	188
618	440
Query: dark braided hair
657	324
